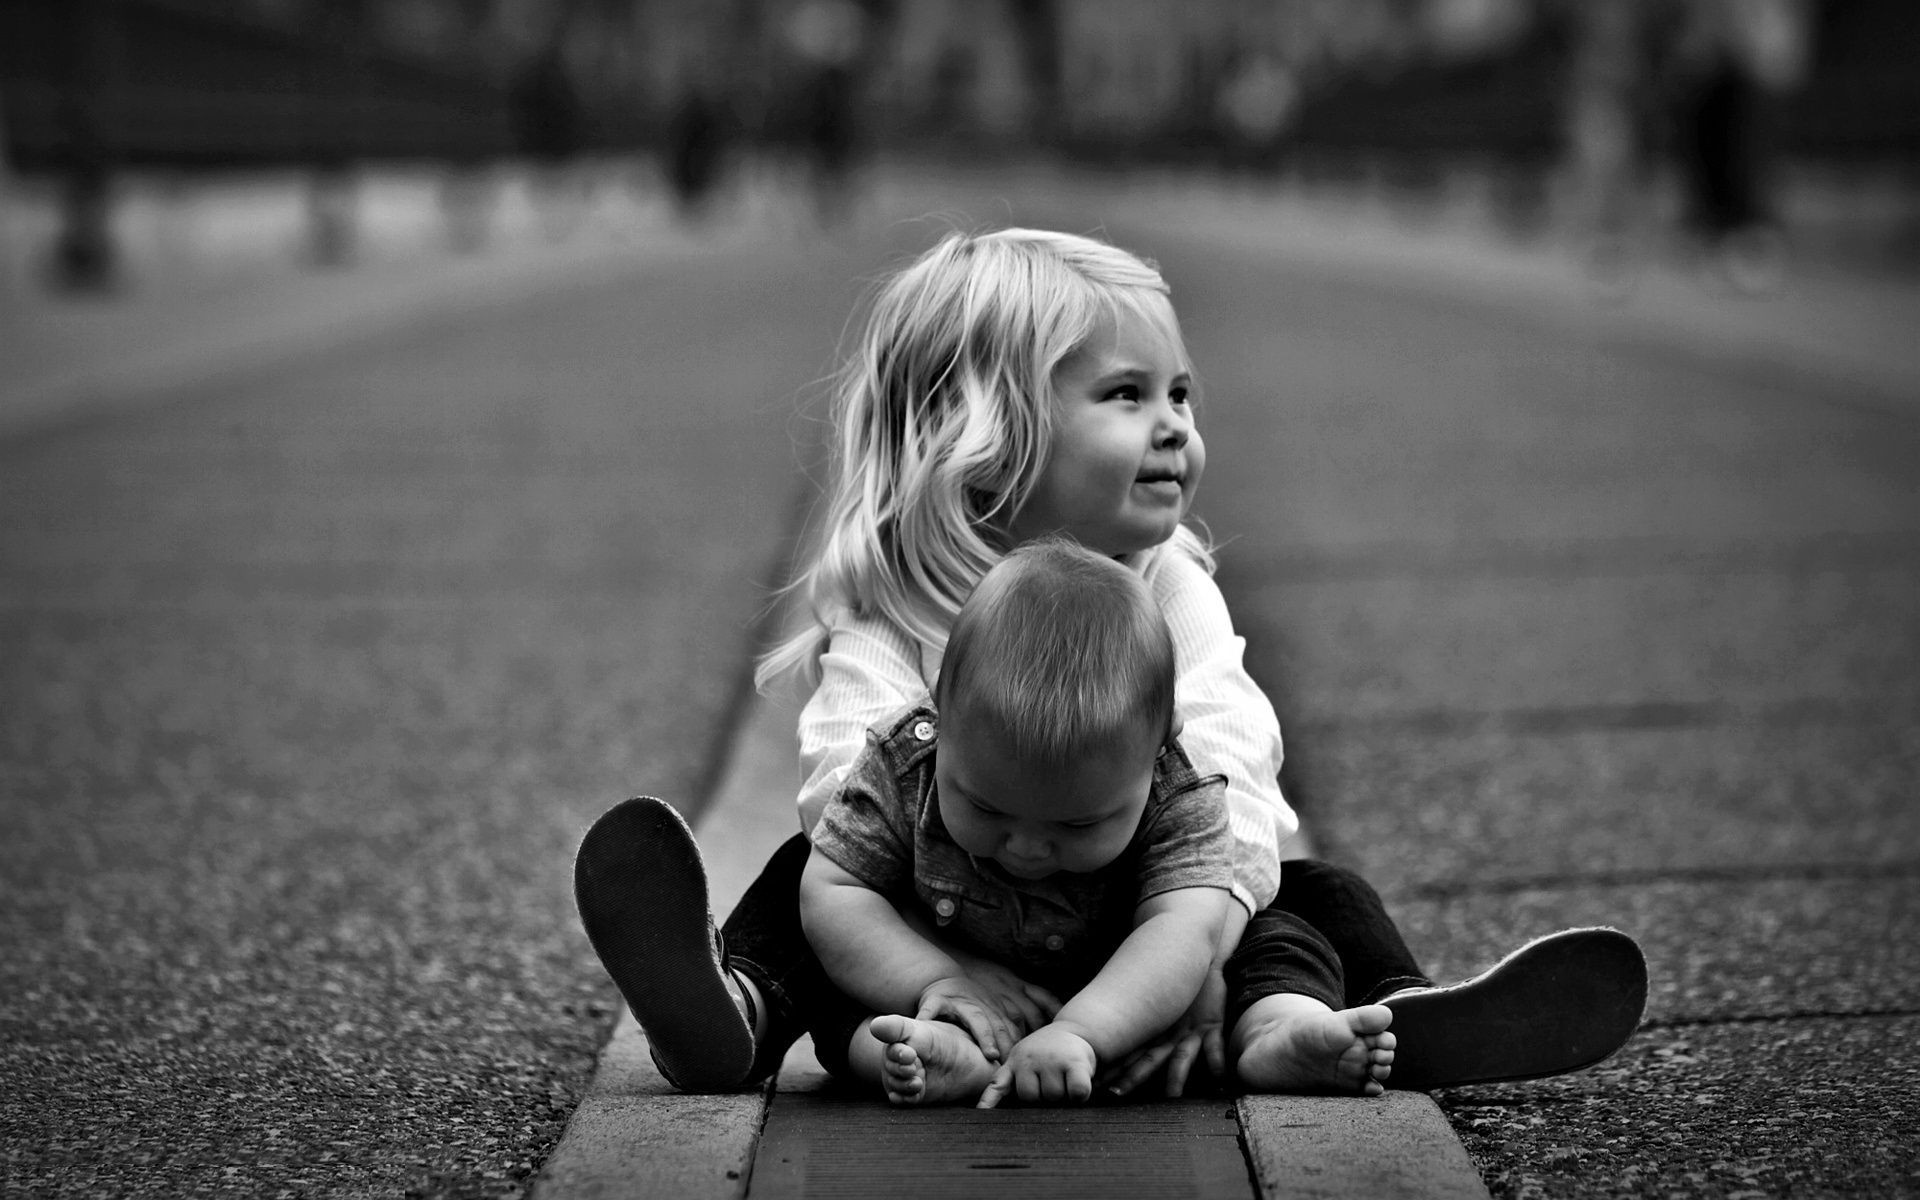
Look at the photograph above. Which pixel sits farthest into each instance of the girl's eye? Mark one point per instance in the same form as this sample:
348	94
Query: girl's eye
1179	395
1124	392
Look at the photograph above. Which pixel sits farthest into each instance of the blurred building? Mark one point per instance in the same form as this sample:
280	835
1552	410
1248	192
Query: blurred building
1410	90
181	78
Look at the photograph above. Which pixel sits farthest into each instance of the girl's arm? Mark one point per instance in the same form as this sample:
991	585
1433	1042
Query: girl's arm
1145	986
1227	724
871	669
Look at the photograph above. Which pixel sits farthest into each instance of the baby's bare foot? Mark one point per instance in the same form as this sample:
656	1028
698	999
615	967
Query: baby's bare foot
929	1062
1293	1044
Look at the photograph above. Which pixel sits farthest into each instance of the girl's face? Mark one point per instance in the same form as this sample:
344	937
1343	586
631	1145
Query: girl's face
1126	457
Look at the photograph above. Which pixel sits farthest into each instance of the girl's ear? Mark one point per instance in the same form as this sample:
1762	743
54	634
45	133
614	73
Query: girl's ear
1173	729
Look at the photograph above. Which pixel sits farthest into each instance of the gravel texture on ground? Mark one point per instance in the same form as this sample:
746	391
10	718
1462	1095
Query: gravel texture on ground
1805	1107
313	682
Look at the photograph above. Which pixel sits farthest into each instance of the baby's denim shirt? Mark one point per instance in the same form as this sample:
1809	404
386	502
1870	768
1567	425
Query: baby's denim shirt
883	826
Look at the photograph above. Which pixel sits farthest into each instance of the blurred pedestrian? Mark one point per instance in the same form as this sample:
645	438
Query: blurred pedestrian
695	147
550	128
1613	112
1007	387
828	39
1734	60
1256	101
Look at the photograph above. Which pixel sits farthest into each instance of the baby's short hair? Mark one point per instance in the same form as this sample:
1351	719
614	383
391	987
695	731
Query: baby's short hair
1061	651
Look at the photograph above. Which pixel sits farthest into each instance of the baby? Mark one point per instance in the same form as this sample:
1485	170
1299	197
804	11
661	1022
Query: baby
1039	833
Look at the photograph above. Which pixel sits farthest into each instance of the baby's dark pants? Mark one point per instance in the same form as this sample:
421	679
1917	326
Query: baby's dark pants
1325	935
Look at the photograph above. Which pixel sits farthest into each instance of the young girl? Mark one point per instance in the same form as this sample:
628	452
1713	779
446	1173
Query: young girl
1009	386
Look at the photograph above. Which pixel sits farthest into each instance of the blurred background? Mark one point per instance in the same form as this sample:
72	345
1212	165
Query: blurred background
314	128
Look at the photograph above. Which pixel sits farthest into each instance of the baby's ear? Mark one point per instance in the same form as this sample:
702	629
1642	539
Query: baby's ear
1173	730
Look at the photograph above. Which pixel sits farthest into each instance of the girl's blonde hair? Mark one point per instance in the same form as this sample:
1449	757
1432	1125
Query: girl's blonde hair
943	417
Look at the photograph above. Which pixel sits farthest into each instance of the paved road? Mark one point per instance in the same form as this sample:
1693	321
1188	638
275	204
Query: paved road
313	678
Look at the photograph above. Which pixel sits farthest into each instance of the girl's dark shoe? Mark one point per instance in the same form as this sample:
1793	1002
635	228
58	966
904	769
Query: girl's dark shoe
642	894
1558	1004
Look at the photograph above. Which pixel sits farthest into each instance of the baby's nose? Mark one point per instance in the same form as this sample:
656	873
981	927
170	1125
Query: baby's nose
1022	844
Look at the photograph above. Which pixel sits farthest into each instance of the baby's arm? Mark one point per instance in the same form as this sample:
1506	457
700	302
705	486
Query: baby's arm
1145	986
876	957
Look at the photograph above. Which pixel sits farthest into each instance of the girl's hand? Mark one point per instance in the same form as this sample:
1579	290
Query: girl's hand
1198	1034
960	1000
1052	1065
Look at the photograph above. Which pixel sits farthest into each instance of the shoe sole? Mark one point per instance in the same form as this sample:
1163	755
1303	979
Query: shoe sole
642	895
1558	1004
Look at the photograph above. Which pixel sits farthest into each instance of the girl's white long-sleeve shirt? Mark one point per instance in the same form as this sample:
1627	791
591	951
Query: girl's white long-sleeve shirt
872	668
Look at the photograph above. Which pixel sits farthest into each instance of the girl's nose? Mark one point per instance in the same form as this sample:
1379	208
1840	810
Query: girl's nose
1174	426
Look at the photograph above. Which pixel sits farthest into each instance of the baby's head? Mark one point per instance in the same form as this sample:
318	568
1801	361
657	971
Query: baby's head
1055	698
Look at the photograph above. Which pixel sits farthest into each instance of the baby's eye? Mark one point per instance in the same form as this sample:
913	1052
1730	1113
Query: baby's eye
1180	395
1125	391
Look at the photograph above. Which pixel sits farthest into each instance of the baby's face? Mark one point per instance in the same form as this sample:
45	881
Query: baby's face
1036	821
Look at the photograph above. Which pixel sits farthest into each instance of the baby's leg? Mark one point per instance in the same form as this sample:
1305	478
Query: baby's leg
919	1062
1292	1043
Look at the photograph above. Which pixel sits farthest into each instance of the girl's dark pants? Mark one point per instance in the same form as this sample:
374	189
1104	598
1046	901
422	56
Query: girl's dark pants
1326	934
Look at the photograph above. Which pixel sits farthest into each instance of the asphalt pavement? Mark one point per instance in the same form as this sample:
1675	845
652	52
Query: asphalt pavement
329	621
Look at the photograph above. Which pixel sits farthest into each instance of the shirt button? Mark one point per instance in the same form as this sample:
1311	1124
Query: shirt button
946	907
1055	941
923	731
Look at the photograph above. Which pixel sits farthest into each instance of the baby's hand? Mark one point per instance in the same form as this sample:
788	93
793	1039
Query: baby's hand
1026	1006
1051	1064
961	1000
